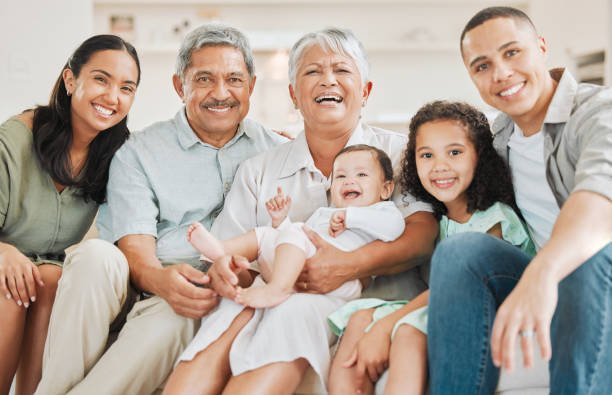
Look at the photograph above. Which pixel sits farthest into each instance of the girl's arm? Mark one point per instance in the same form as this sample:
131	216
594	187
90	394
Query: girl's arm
371	354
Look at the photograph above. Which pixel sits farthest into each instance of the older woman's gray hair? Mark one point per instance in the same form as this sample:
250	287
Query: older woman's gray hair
210	35
336	40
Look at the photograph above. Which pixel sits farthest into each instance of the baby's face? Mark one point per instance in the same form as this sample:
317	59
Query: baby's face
358	180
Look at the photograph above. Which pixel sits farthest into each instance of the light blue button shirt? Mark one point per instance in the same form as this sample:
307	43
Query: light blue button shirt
164	178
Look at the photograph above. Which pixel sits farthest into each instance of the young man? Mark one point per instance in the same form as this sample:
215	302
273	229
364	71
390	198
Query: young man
557	137
173	173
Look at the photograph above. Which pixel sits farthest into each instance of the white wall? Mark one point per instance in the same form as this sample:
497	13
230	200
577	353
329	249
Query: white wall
412	46
572	28
37	36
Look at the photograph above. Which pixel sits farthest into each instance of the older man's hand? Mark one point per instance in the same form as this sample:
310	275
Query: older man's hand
326	270
224	274
179	289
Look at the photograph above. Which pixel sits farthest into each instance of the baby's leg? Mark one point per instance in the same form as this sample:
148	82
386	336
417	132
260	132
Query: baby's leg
212	248
342	380
409	348
288	263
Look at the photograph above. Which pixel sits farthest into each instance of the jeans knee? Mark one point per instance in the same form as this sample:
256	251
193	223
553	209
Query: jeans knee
457	252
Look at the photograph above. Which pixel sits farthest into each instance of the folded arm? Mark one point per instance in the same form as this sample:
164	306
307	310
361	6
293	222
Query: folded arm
330	267
583	227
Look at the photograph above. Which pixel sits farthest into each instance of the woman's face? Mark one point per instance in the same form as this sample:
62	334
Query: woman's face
103	92
329	91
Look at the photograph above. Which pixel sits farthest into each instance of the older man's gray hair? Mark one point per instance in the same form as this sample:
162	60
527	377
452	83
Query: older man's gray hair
336	40
211	35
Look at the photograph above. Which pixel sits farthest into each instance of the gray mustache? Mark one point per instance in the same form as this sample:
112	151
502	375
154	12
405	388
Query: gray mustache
215	103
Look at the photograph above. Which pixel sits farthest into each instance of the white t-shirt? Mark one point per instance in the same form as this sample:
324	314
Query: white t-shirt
533	194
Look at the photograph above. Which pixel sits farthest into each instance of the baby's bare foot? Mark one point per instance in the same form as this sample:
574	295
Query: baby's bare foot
262	296
203	241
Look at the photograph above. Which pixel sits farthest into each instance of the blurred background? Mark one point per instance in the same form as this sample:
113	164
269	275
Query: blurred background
412	45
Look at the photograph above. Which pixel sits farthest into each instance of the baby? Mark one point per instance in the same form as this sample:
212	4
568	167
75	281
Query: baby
362	181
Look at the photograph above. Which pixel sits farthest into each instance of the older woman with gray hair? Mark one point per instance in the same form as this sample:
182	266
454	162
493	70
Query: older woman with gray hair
244	350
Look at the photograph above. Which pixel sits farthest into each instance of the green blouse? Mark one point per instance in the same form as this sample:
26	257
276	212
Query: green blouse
34	217
513	229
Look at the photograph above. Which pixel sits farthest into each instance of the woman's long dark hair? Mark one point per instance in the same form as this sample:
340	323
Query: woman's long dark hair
492	181
52	129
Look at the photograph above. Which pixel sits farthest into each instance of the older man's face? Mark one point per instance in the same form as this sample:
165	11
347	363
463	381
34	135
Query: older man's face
216	92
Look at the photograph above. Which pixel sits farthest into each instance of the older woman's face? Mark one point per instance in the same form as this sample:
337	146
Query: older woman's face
329	90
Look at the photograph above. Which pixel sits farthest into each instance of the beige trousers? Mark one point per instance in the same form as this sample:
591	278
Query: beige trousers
91	293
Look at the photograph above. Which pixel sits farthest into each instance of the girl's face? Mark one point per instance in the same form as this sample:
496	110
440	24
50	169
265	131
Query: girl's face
358	180
103	92
446	160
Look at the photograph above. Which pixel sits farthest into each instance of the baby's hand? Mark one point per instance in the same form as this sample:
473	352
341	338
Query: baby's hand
336	223
278	207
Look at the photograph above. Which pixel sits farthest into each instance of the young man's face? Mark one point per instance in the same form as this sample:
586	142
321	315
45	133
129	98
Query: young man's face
507	62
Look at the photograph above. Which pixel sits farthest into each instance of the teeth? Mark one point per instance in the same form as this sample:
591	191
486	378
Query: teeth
448	181
103	110
512	90
337	99
214	109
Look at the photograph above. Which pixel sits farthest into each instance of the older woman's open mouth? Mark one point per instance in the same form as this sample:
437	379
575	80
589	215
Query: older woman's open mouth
333	98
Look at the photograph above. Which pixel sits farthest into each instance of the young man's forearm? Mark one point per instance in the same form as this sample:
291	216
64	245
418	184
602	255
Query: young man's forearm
583	227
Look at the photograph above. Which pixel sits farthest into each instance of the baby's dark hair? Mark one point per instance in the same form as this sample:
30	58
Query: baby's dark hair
492	181
380	155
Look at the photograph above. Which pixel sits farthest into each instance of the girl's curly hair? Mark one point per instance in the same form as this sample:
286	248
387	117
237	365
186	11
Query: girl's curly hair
492	181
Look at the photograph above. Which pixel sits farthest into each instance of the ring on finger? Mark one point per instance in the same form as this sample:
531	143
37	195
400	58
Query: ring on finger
526	333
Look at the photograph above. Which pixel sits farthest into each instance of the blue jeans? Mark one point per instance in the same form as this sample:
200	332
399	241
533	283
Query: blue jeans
472	274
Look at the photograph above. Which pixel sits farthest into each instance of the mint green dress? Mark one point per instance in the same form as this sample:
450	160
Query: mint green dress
513	231
34	217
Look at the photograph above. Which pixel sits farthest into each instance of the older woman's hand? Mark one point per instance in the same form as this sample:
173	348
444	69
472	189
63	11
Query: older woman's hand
326	270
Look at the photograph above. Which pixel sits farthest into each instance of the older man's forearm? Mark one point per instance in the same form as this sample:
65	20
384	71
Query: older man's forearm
139	251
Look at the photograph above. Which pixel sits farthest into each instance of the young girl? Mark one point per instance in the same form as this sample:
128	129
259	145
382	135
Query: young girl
451	163
362	181
54	163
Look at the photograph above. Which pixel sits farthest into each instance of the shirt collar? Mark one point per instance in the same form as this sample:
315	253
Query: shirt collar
299	157
560	107
187	137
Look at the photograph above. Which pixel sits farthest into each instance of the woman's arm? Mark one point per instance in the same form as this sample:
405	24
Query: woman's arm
330	267
18	276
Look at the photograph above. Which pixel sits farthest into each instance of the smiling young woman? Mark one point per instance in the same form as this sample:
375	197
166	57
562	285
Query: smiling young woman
54	163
